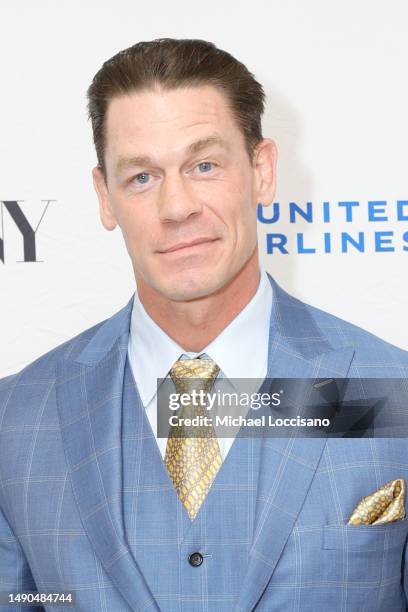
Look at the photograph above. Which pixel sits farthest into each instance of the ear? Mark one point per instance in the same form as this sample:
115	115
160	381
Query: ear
265	158
105	208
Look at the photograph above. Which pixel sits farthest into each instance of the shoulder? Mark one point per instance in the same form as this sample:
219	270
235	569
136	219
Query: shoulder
42	368
370	351
308	328
30	386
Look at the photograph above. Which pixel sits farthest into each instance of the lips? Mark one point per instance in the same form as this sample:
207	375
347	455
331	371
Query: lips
185	245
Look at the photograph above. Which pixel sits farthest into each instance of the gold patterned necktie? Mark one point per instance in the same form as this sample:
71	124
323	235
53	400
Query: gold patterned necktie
193	462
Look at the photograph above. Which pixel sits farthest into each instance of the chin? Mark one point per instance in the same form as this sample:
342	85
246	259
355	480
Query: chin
190	289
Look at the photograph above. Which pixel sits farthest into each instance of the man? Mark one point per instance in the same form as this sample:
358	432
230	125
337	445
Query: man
92	501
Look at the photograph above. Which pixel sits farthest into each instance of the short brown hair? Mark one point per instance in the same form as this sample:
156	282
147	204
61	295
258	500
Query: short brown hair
172	63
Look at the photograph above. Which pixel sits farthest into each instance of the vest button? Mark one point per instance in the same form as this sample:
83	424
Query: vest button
195	559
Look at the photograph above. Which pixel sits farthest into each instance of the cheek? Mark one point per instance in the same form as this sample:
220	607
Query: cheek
228	199
244	222
135	224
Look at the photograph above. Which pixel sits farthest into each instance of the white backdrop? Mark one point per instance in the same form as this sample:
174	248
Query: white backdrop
335	75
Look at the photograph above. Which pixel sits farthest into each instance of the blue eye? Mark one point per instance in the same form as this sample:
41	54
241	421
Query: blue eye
205	166
143	178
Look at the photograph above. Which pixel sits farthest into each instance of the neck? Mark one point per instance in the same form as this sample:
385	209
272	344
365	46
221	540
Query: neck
194	324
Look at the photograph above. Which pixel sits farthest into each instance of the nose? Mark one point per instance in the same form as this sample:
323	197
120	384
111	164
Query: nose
177	199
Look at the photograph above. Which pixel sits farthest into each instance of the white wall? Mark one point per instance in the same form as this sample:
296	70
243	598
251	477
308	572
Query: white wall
335	75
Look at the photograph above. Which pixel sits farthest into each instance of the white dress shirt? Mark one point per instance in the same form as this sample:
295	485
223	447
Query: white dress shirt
240	351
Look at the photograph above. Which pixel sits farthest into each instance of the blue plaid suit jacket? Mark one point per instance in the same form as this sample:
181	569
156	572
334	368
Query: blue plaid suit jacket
62	478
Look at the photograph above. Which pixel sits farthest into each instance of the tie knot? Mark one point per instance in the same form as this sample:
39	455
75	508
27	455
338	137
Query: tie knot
189	374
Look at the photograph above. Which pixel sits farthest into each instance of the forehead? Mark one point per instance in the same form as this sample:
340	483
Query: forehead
159	119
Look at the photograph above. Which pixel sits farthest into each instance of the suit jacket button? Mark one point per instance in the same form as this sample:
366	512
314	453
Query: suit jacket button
195	559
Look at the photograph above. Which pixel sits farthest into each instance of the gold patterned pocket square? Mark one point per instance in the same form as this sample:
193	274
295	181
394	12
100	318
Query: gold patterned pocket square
386	505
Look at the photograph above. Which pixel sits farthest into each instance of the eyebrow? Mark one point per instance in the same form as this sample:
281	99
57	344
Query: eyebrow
194	147
199	145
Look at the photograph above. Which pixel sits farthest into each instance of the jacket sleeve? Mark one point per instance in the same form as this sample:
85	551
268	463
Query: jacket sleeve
15	574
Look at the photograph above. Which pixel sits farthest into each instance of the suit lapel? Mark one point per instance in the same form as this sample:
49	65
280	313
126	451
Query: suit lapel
89	400
298	350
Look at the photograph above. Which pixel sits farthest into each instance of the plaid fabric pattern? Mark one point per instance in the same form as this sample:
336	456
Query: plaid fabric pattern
84	508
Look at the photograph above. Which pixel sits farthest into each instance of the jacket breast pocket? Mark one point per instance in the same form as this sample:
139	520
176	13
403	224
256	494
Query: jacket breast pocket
366	553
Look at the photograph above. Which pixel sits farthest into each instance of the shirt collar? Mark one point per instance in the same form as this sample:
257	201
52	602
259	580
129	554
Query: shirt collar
240	350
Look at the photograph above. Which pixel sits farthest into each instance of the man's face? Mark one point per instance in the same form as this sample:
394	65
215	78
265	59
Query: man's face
182	188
